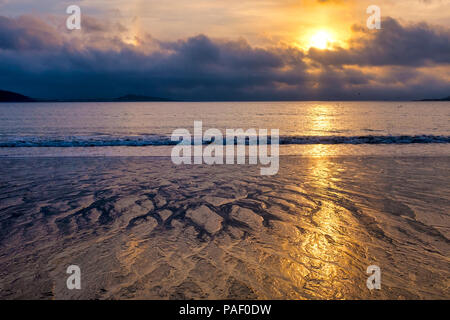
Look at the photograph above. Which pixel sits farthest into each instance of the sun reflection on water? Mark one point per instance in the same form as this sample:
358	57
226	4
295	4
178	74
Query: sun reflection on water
322	257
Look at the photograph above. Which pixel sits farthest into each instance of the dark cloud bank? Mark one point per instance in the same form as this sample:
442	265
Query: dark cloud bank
397	62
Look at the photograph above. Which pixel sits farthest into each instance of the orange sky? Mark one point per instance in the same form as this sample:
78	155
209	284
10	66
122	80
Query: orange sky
261	22
288	49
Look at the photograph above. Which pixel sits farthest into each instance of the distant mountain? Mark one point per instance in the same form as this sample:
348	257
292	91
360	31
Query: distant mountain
443	99
136	98
126	98
8	96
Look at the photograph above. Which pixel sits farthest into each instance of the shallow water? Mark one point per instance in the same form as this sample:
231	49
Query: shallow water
144	228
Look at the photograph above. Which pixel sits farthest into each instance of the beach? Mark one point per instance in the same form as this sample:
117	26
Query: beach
144	228
225	159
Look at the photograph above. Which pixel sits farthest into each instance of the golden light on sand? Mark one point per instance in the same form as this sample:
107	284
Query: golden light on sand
321	39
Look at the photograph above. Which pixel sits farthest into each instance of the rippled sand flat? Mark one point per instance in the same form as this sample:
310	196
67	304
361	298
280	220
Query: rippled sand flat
144	228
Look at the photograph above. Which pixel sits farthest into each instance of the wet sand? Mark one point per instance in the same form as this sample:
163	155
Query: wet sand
142	228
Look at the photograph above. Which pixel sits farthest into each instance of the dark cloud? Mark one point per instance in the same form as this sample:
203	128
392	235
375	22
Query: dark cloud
27	33
412	45
37	60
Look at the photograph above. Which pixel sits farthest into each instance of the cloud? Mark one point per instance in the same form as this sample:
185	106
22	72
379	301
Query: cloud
27	33
39	60
410	45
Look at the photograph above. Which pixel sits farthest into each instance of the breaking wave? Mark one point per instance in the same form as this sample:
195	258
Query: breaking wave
158	140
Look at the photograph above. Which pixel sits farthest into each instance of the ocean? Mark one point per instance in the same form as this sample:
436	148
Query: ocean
110	129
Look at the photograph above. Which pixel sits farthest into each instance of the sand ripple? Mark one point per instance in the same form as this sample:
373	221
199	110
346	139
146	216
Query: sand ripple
143	228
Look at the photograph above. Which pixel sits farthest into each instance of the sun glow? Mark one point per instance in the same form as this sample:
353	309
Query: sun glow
321	40
131	41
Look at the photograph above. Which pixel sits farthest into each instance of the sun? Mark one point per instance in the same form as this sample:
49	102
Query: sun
321	40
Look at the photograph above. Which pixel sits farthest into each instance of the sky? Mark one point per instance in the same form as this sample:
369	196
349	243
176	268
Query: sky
226	50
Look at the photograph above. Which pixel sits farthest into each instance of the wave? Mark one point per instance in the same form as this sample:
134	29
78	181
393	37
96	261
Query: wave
369	139
157	140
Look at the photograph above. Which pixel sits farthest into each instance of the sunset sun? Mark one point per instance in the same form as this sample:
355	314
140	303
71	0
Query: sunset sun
321	40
